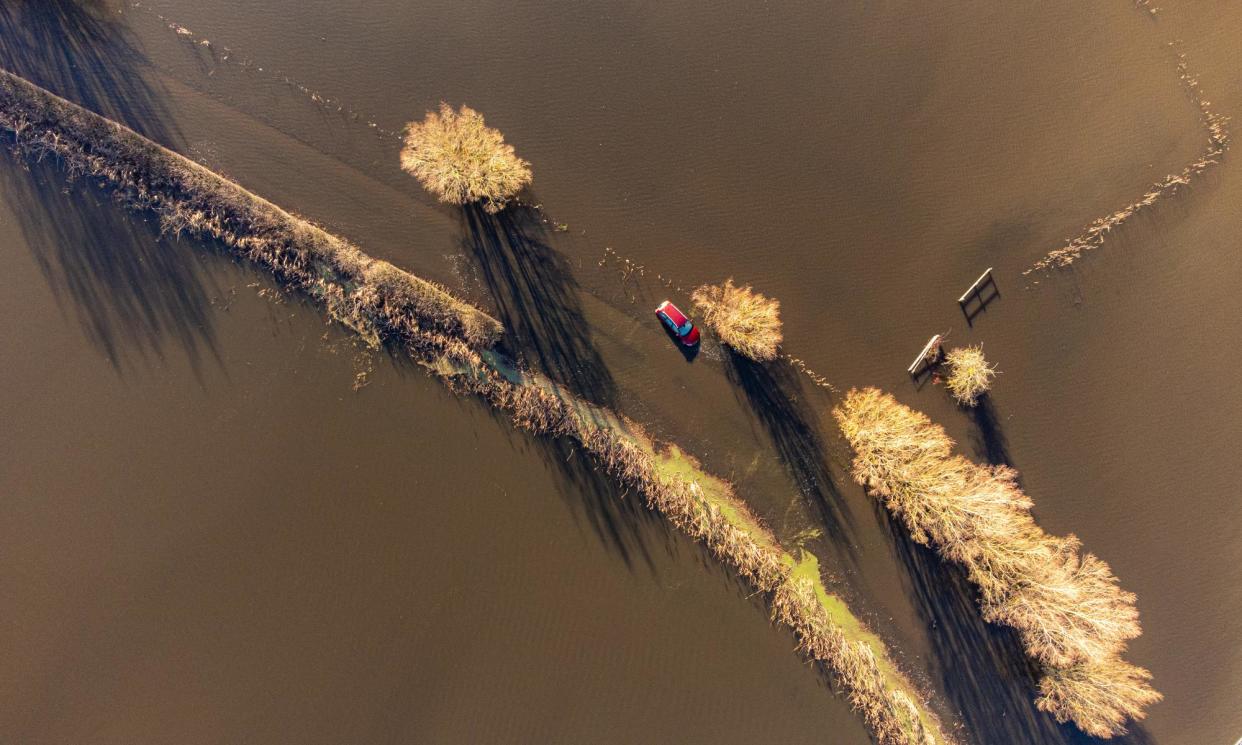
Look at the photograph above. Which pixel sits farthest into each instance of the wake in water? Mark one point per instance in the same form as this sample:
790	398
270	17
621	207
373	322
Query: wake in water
1218	142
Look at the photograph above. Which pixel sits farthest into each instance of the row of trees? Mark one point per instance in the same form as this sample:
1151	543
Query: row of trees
1066	606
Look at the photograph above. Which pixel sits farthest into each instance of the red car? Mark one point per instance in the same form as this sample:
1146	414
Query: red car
677	322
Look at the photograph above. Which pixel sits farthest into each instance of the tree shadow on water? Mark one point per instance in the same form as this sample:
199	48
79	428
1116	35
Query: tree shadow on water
79	50
989	440
773	391
133	290
982	668
537	300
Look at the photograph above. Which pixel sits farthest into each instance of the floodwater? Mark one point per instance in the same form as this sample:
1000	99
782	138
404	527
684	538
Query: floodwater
210	537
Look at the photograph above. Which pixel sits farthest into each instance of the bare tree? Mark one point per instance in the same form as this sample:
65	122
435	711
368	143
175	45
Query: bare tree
747	321
461	160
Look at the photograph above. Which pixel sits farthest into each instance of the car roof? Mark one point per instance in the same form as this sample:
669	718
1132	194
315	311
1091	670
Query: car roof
673	312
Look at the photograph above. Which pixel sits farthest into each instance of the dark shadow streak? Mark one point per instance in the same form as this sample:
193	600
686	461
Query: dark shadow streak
78	50
132	290
773	391
981	668
990	441
537	299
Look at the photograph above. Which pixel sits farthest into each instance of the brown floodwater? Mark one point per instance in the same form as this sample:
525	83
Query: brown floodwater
211	537
234	546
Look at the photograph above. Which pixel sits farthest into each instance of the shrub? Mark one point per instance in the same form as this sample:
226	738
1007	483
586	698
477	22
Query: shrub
747	321
461	160
1067	607
970	376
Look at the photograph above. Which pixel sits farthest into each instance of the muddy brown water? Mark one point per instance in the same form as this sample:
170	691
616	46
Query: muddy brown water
213	538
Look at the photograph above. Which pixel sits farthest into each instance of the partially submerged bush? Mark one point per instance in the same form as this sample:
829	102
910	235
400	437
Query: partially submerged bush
970	376
747	321
463	161
1067	607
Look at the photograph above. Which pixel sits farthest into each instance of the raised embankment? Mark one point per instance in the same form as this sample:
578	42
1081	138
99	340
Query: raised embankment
188	197
450	338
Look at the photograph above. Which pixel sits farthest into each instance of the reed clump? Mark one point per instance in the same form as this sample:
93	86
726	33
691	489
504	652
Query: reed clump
462	160
1067	607
190	198
449	338
970	375
747	321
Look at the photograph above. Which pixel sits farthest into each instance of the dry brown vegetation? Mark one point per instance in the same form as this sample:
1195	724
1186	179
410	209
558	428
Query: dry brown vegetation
970	376
461	160
750	323
189	198
444	334
1066	606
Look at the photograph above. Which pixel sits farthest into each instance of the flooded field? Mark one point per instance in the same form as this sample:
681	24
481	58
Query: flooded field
211	536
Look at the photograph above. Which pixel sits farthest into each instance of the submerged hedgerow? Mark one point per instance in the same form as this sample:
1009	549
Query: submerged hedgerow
190	198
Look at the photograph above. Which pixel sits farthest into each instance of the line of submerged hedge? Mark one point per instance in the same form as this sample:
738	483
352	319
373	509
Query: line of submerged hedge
450	338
